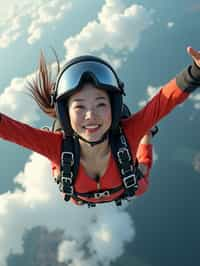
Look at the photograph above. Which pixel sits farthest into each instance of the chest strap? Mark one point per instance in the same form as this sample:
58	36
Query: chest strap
99	194
70	159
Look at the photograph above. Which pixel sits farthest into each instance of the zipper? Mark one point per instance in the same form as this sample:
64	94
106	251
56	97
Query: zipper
97	178
98	186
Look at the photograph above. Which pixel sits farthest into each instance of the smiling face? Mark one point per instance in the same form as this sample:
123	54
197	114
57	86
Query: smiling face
90	112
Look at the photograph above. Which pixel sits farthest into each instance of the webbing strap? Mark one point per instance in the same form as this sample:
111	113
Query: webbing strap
128	168
70	159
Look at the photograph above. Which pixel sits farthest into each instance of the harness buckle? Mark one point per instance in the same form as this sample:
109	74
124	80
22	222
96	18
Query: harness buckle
127	170
67	180
118	202
99	195
69	190
67	157
91	204
66	186
123	155
130	181
123	140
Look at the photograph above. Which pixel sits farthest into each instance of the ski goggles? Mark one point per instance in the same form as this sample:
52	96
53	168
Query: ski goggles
102	74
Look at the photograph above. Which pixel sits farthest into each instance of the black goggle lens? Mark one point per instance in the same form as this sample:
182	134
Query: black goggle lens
71	77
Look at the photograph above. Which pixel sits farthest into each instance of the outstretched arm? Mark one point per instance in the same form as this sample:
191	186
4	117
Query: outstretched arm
46	143
170	95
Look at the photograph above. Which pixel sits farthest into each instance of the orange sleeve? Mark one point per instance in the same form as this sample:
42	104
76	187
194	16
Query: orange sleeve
158	107
41	141
144	154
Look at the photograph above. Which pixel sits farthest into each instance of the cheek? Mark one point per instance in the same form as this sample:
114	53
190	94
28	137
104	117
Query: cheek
74	118
107	114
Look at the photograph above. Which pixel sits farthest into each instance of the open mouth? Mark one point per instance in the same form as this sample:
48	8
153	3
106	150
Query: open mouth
91	128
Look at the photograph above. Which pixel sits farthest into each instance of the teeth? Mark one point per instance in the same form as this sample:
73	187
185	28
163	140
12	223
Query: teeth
95	126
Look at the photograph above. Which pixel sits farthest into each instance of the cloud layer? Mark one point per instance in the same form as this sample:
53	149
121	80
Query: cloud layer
117	27
37	202
29	19
14	101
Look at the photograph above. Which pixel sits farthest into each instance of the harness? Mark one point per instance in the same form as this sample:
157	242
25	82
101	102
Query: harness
70	159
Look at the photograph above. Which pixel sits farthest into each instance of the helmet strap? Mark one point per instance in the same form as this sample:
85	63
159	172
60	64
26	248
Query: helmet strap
93	143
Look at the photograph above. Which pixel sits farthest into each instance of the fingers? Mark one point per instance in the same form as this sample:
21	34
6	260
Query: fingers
192	52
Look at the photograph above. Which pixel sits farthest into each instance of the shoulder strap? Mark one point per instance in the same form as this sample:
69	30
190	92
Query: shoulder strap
70	159
127	167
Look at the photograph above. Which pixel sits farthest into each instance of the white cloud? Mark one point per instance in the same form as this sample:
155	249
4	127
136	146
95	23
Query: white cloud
117	27
11	32
155	155
170	24
14	101
49	13
196	162
38	201
195	98
31	18
151	91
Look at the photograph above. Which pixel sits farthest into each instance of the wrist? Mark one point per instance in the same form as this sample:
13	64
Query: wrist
195	71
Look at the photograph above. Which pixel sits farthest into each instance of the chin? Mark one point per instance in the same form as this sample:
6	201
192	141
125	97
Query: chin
96	137
92	138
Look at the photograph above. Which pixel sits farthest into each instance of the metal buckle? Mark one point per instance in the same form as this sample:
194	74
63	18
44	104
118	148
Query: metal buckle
127	170
123	140
128	178
123	151
118	202
67	180
67	153
69	191
99	195
66	188
91	204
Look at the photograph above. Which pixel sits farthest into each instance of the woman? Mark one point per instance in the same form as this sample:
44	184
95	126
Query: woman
87	99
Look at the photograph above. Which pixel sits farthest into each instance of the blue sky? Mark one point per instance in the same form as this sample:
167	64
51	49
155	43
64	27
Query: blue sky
146	42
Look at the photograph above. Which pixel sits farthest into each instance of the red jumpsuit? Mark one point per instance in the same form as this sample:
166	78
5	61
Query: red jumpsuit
143	155
49	144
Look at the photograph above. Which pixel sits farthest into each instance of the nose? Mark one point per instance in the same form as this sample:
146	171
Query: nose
90	113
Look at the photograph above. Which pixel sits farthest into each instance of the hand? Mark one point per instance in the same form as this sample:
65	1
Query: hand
194	54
